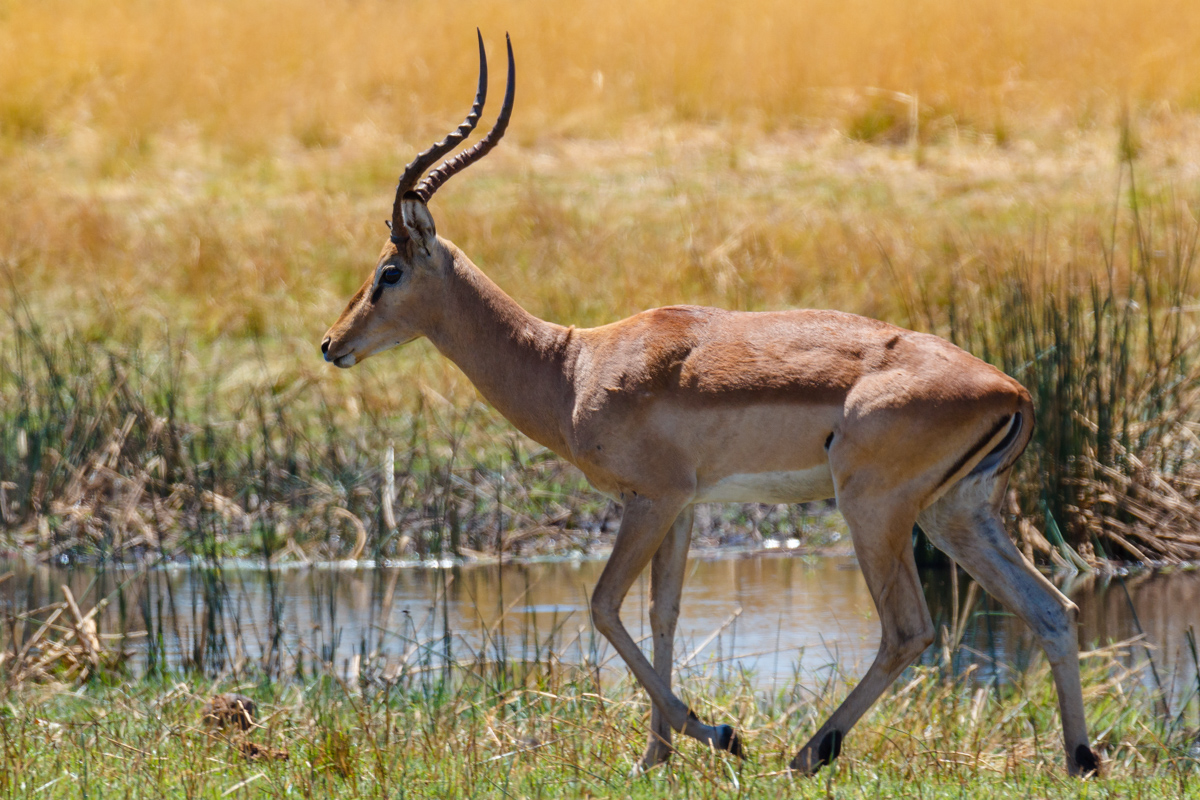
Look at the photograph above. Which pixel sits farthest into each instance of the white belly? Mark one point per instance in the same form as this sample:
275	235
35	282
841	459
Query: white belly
798	486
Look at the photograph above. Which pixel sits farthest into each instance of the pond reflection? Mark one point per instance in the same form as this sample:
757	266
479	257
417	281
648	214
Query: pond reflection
774	616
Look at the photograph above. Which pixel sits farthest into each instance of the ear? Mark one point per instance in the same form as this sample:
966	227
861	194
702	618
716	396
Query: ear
418	221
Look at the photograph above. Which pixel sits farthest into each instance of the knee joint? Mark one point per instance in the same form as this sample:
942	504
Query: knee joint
914	639
1055	630
604	612
919	641
899	651
924	638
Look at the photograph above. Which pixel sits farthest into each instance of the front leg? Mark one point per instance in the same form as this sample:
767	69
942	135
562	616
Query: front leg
667	570
643	527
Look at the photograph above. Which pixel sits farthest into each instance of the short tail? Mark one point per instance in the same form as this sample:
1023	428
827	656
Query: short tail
1008	449
999	447
994	454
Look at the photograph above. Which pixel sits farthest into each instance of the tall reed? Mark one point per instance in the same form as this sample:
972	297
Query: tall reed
113	451
1111	359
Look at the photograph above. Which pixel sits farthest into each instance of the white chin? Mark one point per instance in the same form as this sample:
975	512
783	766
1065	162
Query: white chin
346	361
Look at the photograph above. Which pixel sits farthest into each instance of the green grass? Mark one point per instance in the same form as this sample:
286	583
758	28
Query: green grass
554	732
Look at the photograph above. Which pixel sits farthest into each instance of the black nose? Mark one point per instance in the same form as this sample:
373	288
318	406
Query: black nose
325	346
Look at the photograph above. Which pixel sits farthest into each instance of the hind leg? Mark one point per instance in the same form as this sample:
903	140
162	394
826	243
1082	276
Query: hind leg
667	570
966	524
881	530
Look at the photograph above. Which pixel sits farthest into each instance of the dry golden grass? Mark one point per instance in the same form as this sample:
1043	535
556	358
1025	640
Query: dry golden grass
580	231
247	73
226	165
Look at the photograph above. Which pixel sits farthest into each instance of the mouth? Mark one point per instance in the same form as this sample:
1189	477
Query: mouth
346	361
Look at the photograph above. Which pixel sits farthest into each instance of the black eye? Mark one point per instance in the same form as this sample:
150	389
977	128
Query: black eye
391	275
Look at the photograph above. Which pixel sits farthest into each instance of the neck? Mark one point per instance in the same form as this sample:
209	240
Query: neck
518	362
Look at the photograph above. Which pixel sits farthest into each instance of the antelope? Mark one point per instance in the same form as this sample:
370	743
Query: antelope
683	405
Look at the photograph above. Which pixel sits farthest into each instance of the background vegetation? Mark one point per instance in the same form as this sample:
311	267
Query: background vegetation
192	191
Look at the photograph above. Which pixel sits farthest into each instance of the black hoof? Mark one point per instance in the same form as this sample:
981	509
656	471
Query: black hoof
1087	761
729	741
830	748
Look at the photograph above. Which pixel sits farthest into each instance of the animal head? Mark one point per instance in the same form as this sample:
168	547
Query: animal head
401	299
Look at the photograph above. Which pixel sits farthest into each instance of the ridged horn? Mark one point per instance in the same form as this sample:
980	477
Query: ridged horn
430	183
414	171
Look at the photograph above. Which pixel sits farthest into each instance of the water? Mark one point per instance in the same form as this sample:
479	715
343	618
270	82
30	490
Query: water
775	617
